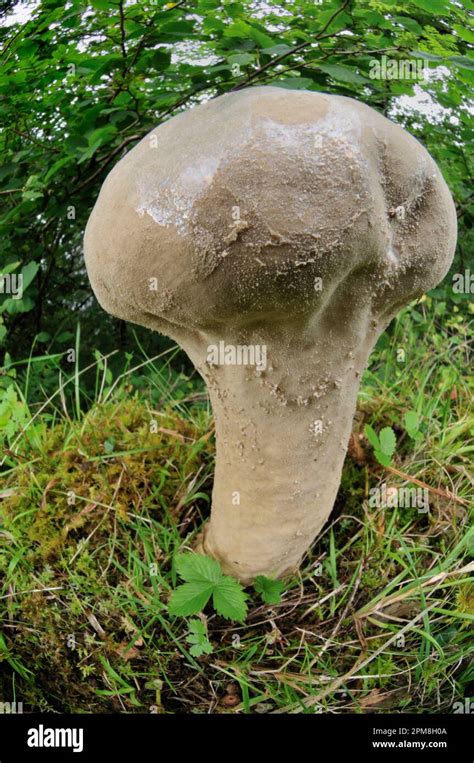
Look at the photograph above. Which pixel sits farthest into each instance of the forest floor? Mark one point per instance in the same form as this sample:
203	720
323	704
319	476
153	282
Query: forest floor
100	493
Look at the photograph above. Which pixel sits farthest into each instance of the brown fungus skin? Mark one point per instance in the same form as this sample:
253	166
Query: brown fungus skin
236	208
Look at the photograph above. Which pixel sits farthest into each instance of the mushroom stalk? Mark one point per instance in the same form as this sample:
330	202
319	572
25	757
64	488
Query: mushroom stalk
280	451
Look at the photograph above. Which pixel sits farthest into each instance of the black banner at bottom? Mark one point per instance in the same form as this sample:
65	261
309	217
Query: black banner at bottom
25	737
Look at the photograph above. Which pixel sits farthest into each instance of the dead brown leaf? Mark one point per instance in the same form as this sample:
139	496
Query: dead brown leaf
127	653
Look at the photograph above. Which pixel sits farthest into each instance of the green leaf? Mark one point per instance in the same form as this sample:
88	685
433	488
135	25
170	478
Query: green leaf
464	33
32	195
181	28
109	445
198	568
189	599
18	306
343	73
229	599
89	152
293	83
205	579
411	422
270	590
6	269
240	58
341	21
200	648
109	65
432	6
197	627
382	458
28	272
102	134
158	59
388	441
104	5
276	50
64	336
198	638
247	31
238	29
409	24
56	167
371	436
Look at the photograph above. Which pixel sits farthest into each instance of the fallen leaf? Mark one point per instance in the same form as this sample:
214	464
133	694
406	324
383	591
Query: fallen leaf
130	653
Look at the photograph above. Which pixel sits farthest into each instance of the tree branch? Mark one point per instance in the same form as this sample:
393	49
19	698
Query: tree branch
104	164
294	50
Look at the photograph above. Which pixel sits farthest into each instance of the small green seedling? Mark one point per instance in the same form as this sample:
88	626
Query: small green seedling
204	579
383	444
270	590
198	638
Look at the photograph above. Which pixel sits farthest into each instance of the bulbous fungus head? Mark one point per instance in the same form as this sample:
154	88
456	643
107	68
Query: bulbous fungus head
273	234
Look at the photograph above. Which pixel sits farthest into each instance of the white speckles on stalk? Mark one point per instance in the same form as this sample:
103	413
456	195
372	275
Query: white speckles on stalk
400	212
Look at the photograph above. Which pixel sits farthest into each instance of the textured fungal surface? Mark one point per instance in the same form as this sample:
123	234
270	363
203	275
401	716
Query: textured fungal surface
273	234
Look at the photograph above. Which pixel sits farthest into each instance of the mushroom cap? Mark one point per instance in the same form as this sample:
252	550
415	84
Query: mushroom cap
237	206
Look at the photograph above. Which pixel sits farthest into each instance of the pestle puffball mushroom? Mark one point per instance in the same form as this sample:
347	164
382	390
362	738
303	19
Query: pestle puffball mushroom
273	234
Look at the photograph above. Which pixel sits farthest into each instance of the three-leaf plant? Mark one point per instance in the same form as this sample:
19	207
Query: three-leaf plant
204	579
198	638
270	590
